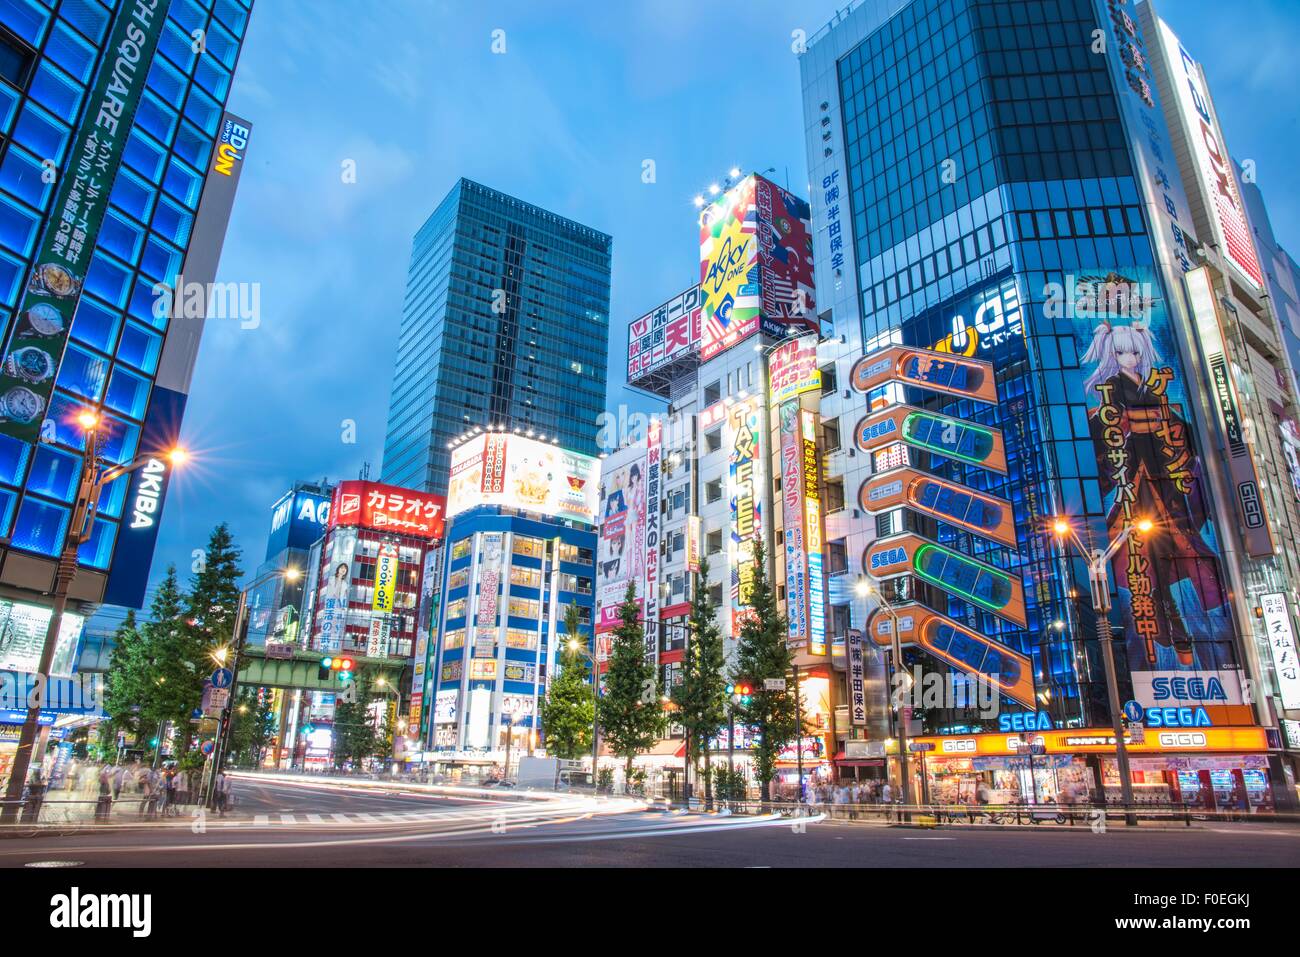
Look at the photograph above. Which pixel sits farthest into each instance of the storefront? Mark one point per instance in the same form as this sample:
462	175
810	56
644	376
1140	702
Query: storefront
1216	768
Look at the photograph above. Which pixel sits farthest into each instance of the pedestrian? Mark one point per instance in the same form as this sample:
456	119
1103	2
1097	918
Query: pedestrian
887	798
227	793
183	787
167	793
219	792
104	803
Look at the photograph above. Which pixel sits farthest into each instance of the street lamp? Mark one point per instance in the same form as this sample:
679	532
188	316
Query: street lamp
289	573
865	589
578	648
94	478
1099	582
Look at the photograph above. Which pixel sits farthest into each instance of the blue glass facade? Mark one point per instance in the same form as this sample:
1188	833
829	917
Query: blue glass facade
987	169
50	51
506	322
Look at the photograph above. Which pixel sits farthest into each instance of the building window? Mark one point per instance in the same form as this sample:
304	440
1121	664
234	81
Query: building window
830	434
16	59
527	577
837	557
575	553
713	440
715	595
834	495
713	542
713	491
712	393
529	547
828	379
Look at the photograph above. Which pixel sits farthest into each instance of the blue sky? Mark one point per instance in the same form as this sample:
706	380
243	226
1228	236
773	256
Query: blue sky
584	93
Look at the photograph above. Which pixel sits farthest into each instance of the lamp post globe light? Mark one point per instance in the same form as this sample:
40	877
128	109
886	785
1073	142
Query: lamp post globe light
1099	584
95	477
865	589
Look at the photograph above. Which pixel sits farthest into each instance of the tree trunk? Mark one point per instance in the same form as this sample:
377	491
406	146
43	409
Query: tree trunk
708	782
627	774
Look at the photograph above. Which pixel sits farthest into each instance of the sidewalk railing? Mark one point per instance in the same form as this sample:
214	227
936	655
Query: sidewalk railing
1003	815
43	810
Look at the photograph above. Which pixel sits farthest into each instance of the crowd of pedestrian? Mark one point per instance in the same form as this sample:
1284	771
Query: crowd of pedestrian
154	791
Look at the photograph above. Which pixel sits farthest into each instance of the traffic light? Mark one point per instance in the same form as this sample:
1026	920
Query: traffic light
741	693
343	667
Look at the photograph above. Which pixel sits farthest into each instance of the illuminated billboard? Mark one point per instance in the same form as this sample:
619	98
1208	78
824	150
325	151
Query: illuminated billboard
22	638
990	588
664	334
755	265
1212	164
518	472
933	371
979	512
298	519
792	370
620	549
943	435
387	508
1172	589
745	436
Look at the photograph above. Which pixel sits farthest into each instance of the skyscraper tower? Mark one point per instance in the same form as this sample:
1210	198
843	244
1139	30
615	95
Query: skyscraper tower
506	323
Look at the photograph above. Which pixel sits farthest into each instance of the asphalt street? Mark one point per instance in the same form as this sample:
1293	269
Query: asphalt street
315	824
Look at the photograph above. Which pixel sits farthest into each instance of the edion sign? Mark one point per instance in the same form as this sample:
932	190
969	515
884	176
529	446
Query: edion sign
387	508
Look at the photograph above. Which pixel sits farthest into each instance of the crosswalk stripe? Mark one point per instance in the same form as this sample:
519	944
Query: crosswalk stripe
261	820
314	819
288	819
340	817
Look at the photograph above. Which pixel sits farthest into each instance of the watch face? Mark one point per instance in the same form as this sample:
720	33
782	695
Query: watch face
30	363
21	405
58	280
44	320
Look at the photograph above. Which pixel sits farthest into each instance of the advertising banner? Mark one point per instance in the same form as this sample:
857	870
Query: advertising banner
812	533
489	579
297	520
981	584
668	333
518	472
857	677
745	438
792	520
44	317
22	638
982	513
336	589
654	451
1213	166
1170	580
1281	645
934	371
387	508
620	550
729	270
386	567
792	370
941	434
1222	386
785	257
693	544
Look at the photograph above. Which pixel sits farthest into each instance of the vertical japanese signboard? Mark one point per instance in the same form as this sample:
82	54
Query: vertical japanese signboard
44	316
745	429
385	578
792	519
857	675
654	450
1281	644
812	534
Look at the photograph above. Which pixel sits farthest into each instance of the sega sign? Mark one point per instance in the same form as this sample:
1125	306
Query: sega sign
887	558
1178	718
1188	689
1163	689
1025	721
298	520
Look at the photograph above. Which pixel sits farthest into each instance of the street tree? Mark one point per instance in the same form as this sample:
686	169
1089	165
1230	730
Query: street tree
173	678
125	680
569	707
355	737
631	713
701	696
762	654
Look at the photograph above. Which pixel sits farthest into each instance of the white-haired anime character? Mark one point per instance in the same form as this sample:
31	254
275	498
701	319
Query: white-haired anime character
1149	468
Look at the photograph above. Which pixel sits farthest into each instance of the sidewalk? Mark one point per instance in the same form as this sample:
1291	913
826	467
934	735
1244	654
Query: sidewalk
62	809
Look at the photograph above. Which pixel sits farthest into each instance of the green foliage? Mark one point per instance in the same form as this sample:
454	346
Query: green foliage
124	682
176	666
631	714
762	653
701	697
728	785
355	738
569	708
252	727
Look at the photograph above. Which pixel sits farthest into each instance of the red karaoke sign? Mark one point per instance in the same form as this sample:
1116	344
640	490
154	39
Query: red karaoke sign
387	508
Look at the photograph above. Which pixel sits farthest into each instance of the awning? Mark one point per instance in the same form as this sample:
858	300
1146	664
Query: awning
668	748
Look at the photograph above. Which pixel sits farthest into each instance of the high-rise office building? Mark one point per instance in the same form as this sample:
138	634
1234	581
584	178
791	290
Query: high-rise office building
95	217
506	323
999	182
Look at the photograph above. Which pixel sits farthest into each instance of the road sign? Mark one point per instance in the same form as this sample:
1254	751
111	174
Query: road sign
1137	734
920	745
223	678
1133	711
774	684
207	747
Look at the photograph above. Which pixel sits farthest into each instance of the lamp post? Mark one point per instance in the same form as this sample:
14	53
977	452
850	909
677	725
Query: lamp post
865	589
1099	582
221	655
94	478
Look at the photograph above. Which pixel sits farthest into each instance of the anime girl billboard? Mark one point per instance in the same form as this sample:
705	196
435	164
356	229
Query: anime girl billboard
1170	579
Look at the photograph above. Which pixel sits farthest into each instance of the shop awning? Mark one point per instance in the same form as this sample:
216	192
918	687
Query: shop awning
846	762
669	748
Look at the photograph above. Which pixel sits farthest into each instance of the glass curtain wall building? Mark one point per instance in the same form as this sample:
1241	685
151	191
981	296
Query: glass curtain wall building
974	159
506	323
50	54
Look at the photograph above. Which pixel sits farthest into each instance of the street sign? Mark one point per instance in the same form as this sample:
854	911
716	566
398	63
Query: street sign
774	684
207	747
1137	734
920	745
279	649
1133	711
223	678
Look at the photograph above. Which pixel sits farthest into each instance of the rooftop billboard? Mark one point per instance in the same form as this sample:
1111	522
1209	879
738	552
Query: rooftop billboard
518	472
387	508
